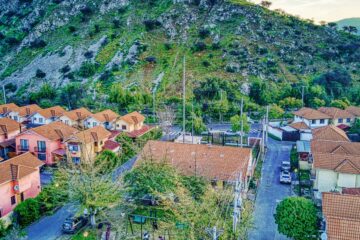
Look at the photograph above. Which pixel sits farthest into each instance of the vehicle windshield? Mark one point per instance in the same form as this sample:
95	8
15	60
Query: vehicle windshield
67	225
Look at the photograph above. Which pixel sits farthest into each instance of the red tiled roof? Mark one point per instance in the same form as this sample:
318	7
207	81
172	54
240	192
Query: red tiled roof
55	111
335	113
309	113
8	125
352	191
299	125
211	162
92	135
5	108
105	116
111	145
27	110
54	131
342	214
114	134
140	132
330	133
78	114
353	110
133	118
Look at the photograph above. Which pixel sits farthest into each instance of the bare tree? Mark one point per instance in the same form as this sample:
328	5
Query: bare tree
166	118
266	4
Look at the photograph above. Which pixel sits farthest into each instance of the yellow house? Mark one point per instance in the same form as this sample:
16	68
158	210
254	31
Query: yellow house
75	118
130	122
336	165
338	116
87	144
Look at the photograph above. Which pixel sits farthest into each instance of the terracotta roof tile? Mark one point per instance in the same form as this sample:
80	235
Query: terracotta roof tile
335	112
55	111
309	113
5	108
18	167
140	132
211	162
352	191
92	134
342	214
299	125
8	125
28	110
330	133
111	145
353	110
133	118
105	116
78	114
54	131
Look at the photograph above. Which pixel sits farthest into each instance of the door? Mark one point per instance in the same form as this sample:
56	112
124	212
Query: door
24	144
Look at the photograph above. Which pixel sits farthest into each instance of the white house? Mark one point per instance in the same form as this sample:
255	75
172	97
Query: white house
130	122
106	118
47	115
338	116
23	114
5	109
311	117
75	118
336	165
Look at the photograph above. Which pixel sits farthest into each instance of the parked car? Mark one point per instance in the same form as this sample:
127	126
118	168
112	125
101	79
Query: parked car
72	224
285	177
285	166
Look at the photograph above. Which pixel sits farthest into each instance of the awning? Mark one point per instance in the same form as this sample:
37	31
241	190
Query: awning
303	146
59	152
8	143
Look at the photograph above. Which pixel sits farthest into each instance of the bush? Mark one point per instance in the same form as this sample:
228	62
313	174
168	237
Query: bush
2	228
38	43
87	69
199	46
40	74
10	87
203	33
27	211
72	29
65	69
86	10
151	24
89	54
116	23
12	41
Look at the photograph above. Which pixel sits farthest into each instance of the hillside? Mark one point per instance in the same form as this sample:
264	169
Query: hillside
116	53
349	22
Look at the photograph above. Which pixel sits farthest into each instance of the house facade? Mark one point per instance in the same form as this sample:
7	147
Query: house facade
130	122
338	116
355	111
5	109
336	165
19	180
84	146
75	118
47	115
311	117
9	129
23	114
106	118
46	142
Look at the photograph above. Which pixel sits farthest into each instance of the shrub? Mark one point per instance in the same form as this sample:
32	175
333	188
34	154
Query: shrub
199	46
87	69
38	43
116	23
65	69
151	59
204	33
88	54
87	10
72	29
2	36
206	63
40	74
12	41
2	228
151	24
27	211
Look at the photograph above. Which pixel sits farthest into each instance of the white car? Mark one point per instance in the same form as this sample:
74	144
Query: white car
285	166
285	177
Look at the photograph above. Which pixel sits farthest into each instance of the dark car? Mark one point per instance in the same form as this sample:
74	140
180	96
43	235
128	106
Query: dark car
73	224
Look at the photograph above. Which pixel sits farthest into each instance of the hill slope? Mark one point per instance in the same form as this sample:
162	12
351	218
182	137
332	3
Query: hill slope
349	22
94	52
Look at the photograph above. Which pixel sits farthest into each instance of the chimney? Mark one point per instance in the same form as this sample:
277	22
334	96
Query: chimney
27	111
4	129
14	171
59	132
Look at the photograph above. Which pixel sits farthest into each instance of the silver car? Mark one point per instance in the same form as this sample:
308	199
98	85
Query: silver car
285	177
285	166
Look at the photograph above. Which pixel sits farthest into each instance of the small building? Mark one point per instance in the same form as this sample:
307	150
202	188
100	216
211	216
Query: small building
338	116
355	111
47	115
106	118
311	117
303	150
9	129
5	109
87	144
341	213
130	122
336	165
23	114
46	141
75	118
330	133
19	180
214	163
189	139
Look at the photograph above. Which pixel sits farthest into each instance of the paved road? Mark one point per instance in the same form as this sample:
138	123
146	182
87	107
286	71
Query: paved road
270	192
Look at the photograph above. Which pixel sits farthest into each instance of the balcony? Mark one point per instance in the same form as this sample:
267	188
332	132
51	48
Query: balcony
40	149
22	148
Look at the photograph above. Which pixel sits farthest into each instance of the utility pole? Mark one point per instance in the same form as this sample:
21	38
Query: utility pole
3	88
214	232
267	124
192	121
302	95
242	122
184	95
154	112
237	202
263	136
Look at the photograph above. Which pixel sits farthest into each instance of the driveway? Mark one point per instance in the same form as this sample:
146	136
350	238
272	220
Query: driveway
270	192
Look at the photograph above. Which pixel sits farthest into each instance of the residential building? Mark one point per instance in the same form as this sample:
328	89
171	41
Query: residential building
87	144
355	111
5	109
75	118
311	117
23	114
9	129
19	180
341	213
330	133
47	115
106	118
130	122
215	163
46	141
338	116
336	165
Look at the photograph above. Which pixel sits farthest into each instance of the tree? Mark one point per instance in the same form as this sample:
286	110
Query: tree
296	218
222	105
266	4
340	103
166	118
276	112
236	123
335	81
27	211
107	160
290	102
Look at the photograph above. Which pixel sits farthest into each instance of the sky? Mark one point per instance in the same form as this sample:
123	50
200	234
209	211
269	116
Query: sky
319	10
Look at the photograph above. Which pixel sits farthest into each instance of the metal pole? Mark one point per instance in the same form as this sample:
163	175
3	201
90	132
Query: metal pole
267	123
154	114
242	122
184	89
302	95
192	122
214	233
3	88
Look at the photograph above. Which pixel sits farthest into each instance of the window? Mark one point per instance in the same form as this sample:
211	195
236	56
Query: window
41	146
42	156
66	122
340	120
348	120
15	118
322	121
13	200
123	127
22	197
76	160
24	144
41	120
73	148
94	124
313	121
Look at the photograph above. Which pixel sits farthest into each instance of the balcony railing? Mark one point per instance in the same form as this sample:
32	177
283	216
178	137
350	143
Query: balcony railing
41	149
22	148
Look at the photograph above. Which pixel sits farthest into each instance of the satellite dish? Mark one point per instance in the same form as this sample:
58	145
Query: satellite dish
16	188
